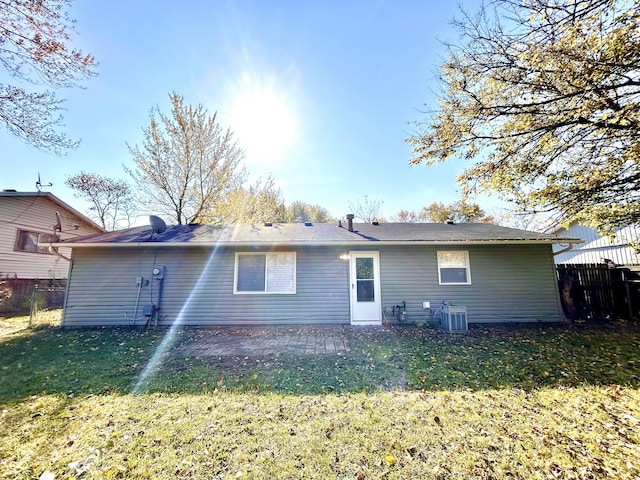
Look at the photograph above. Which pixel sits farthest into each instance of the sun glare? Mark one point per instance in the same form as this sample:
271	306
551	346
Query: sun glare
263	122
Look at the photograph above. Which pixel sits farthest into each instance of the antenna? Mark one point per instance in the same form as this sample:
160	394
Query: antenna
157	224
39	184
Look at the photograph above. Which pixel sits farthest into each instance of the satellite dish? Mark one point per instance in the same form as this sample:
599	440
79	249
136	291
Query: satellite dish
157	224
58	226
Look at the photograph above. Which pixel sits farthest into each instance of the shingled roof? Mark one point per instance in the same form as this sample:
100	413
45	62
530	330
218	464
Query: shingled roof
317	234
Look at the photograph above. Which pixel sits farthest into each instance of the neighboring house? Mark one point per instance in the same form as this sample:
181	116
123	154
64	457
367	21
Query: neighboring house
599	249
310	274
27	219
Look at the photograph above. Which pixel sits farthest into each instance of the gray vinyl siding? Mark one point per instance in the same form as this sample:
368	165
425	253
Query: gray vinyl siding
198	289
508	283
511	283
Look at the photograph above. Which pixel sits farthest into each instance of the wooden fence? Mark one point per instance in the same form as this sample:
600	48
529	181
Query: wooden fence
599	292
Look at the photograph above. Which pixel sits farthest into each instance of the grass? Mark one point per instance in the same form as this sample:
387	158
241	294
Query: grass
43	318
520	402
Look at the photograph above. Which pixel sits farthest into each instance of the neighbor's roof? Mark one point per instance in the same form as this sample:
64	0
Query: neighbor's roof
317	234
54	199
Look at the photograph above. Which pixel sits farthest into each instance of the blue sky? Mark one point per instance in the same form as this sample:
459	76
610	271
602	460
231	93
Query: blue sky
322	95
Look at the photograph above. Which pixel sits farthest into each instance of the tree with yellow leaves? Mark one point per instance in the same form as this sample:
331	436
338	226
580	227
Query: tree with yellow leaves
544	97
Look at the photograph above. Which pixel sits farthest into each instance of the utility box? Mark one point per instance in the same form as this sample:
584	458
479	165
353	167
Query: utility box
158	272
148	310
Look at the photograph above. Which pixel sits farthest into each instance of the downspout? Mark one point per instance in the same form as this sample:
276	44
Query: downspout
563	250
157	312
66	292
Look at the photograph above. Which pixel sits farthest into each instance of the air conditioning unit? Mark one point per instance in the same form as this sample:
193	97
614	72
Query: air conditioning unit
454	318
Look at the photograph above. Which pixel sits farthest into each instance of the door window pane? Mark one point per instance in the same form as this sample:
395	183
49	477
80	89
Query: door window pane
365	291
364	268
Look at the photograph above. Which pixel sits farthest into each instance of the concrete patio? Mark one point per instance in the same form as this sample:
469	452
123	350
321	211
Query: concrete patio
261	341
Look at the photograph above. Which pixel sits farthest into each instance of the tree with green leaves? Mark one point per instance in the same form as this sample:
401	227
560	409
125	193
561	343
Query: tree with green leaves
188	165
256	203
438	212
112	205
301	212
35	47
544	97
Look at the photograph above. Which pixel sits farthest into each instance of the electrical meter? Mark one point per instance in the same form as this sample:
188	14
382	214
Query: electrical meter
157	272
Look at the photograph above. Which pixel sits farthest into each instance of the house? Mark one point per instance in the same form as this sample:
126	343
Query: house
597	248
310	274
27	221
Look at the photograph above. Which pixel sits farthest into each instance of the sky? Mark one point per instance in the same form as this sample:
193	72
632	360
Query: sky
322	95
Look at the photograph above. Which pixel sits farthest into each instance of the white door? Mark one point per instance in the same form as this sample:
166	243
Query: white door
366	306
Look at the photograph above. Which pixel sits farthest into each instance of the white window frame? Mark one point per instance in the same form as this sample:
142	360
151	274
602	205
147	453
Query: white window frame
443	262
41	237
266	277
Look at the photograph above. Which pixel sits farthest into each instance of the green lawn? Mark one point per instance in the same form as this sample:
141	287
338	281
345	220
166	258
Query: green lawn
522	402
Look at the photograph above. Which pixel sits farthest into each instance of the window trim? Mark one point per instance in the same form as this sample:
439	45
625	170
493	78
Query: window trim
467	266
39	250
265	291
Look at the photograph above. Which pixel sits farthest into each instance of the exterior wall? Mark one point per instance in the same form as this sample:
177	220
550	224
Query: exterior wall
595	247
198	286
35	214
514	283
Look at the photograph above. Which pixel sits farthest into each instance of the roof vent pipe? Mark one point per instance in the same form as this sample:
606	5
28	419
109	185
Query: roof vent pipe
350	218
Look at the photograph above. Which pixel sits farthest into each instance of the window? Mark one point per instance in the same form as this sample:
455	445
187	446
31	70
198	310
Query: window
273	272
453	268
28	241
365	280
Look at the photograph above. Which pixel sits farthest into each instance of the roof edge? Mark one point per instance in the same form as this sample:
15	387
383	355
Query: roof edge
56	200
570	241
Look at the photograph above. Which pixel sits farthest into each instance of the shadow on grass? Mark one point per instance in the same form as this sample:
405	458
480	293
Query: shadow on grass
82	362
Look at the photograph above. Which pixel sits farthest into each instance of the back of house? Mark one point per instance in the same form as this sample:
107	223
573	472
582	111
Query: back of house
271	274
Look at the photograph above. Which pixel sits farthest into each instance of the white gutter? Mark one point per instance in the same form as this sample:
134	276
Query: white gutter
309	244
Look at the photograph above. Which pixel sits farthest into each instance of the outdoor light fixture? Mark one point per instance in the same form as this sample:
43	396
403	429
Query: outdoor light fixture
345	256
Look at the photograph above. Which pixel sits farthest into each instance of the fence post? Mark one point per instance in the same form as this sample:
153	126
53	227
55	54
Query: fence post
34	306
